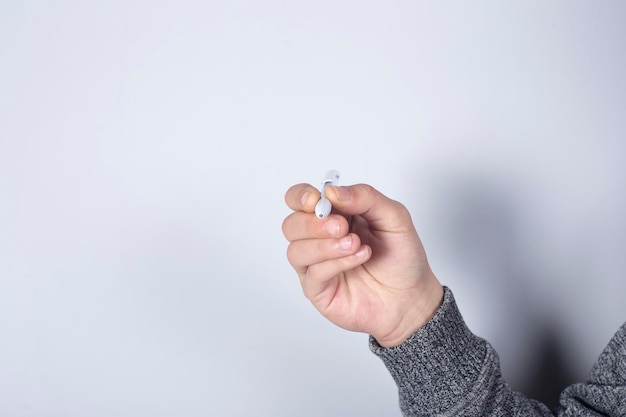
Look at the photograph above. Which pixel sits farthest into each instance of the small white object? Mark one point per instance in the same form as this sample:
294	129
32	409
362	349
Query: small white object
323	207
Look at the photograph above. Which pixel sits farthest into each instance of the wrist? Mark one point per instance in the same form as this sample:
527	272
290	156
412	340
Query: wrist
419	308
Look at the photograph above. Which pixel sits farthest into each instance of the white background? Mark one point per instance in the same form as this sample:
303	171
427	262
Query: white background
145	147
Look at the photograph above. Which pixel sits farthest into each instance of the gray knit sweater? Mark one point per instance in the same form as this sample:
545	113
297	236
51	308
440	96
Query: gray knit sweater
445	370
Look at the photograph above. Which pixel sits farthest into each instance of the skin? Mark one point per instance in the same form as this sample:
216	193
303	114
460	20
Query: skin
363	267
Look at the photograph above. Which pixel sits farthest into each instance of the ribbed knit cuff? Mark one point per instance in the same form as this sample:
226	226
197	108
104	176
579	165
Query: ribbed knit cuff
439	364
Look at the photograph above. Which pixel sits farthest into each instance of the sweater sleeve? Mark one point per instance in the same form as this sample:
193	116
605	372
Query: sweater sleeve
445	370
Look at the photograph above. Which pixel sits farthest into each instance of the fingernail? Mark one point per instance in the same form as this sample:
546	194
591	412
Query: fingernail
362	252
332	227
345	242
304	197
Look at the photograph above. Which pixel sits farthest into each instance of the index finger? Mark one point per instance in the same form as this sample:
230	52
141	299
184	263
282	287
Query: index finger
302	197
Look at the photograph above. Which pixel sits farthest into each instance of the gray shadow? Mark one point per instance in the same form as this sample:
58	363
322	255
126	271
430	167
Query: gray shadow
481	227
548	372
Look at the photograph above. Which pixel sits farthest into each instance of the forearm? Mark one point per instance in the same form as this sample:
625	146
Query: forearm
444	369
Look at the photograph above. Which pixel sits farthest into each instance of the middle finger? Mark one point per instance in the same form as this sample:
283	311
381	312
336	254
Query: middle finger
299	225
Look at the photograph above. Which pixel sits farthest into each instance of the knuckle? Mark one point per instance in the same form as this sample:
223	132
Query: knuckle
368	191
368	188
399	208
293	255
285	226
290	254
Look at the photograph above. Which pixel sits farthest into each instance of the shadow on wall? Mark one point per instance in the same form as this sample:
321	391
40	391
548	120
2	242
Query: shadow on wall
548	373
481	221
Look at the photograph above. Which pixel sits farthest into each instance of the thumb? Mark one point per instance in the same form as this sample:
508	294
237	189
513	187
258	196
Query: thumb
379	211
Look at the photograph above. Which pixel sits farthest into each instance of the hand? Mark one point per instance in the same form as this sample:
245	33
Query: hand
363	267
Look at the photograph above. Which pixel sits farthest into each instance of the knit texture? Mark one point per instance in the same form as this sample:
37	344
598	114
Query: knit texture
443	369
